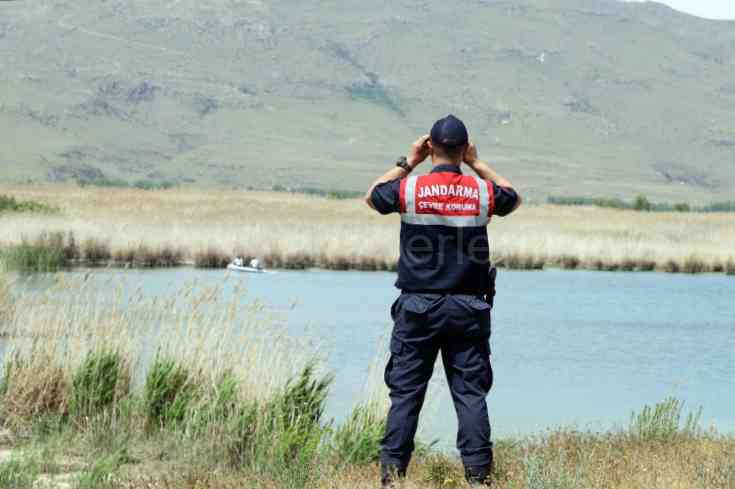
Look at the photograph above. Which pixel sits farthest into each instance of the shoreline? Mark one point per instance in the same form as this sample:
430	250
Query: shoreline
129	228
671	269
61	251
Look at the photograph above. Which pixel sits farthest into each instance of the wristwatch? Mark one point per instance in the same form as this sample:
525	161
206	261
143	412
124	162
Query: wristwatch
403	163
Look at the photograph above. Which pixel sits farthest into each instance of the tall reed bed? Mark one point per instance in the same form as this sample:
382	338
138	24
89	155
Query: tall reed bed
207	227
195	326
49	252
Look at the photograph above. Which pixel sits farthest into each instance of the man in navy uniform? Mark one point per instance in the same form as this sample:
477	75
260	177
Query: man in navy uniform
443	275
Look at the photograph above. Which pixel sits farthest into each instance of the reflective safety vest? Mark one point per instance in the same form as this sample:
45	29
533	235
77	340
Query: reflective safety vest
444	243
446	199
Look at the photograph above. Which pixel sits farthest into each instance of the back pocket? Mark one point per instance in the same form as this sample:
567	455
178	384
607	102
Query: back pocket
411	315
416	304
474	321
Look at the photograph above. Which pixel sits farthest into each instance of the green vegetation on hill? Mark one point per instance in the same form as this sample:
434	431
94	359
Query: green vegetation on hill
139	184
627	97
641	203
328	193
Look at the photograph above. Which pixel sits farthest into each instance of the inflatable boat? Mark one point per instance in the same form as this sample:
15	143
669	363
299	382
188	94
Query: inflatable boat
236	268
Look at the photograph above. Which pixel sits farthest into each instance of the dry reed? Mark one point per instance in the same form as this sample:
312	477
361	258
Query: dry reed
207	227
51	333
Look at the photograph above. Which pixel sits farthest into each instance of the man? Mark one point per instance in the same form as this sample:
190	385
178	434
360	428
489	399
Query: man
443	275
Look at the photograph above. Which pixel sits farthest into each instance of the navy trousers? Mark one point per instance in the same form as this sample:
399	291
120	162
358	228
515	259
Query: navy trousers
424	325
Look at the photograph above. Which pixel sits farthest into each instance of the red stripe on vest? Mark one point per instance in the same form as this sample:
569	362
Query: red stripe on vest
447	194
491	198
402	196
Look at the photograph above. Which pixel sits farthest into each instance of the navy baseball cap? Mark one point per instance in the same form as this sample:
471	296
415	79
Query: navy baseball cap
449	131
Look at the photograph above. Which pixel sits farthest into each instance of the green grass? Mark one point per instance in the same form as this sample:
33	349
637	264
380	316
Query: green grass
11	204
17	474
221	438
283	438
545	474
154	184
642	204
100	381
357	441
7	306
168	393
301	403
22	469
336	194
117	183
100	474
49	252
727	206
664	421
443	472
46	253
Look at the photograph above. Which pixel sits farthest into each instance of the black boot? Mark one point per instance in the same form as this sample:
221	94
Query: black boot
390	474
478	475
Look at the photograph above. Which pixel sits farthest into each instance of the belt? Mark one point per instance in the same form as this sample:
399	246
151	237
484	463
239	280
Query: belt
444	292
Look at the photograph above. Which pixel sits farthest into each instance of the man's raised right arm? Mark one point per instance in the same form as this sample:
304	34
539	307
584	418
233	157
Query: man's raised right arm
484	171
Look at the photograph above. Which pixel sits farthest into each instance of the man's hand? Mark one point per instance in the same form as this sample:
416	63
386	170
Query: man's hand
470	154
482	168
419	151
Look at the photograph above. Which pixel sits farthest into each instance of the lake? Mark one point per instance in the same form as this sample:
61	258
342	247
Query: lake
569	347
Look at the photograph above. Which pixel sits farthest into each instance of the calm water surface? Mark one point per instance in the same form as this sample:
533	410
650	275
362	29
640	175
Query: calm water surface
569	348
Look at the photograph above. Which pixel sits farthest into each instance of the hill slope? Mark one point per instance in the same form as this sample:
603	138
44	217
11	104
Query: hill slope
567	96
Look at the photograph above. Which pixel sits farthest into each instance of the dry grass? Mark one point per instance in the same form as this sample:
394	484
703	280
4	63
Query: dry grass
562	460
209	226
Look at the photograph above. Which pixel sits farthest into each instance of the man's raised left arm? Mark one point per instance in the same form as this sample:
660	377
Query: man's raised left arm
505	192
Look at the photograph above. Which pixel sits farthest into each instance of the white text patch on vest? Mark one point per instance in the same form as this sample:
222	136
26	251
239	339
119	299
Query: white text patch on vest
463	191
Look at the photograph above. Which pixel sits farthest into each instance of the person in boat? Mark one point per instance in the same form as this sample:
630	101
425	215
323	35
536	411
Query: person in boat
447	285
254	263
238	262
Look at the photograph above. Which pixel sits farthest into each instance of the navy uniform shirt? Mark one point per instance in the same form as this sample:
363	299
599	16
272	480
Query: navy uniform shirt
438	258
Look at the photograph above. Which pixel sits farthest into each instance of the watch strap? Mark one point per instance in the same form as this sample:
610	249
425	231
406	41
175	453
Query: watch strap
403	163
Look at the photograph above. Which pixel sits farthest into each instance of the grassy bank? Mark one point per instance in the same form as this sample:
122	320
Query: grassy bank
11	204
642	204
193	393
48	252
207	227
